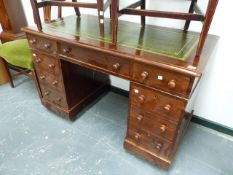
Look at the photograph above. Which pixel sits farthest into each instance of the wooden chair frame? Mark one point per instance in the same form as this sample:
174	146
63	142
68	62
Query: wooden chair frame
194	14
21	71
100	6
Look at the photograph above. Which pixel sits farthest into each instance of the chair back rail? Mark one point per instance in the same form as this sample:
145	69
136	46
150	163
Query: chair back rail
99	5
194	14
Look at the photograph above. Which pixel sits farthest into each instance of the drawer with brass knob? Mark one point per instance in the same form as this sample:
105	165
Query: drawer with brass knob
43	44
152	123
157	102
50	80
97	60
46	62
150	142
162	79
53	96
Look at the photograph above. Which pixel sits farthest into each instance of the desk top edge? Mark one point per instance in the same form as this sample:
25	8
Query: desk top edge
175	65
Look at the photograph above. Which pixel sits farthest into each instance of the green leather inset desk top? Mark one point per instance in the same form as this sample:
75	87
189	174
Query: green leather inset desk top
165	42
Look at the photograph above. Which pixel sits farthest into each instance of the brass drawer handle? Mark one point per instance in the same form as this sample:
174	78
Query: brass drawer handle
58	99
163	128
51	66
55	82
167	107
144	75
158	146
46	93
67	50
42	77
172	84
38	60
140	117
137	136
47	45
141	98
116	66
32	41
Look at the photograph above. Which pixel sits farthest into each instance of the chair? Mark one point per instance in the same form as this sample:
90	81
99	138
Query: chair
99	5
18	55
194	14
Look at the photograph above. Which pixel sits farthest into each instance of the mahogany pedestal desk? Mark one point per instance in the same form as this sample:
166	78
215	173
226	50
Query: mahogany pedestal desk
73	61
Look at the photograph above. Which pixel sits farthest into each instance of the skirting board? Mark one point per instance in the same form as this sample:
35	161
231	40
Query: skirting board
195	119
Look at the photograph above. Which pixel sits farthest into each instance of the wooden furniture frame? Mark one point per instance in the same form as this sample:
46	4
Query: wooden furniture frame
20	71
10	25
194	14
100	6
11	29
162	65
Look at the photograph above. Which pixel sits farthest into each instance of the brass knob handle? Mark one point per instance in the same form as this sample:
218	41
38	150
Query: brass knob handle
67	50
140	117
158	146
163	128
55	82
47	45
32	41
141	98
167	107
137	136
46	93
144	75
172	84
38	60
42	77
116	66
58	99
51	66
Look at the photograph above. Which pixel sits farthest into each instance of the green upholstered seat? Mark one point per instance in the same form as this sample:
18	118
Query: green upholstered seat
17	53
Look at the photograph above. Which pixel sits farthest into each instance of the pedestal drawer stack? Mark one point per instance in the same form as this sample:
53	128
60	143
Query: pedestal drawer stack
48	71
156	113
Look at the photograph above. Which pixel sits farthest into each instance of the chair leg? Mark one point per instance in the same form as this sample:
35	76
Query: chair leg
47	13
143	18
76	9
8	73
59	12
101	16
206	25
34	77
191	10
114	11
36	14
